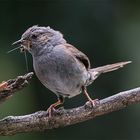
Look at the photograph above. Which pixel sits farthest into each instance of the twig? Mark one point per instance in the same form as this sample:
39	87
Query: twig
40	121
9	87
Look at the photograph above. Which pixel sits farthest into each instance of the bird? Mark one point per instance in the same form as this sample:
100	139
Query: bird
60	66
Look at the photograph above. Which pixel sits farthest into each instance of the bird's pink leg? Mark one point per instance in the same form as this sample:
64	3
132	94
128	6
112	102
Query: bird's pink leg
93	102
52	107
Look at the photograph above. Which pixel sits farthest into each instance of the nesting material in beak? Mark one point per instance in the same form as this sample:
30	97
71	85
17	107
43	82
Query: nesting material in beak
23	49
17	42
25	45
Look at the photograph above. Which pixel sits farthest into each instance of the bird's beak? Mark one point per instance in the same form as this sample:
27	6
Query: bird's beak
19	42
24	44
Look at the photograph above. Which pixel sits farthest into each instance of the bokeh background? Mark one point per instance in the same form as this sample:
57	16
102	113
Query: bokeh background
107	31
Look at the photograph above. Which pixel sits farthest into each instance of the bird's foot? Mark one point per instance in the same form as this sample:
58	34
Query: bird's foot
94	102
91	101
50	110
4	86
52	107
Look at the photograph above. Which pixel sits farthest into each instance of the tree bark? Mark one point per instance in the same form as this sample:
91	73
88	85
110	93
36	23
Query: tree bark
9	87
40	121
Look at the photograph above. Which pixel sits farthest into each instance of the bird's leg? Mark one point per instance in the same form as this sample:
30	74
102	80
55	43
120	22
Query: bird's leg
93	102
3	86
52	107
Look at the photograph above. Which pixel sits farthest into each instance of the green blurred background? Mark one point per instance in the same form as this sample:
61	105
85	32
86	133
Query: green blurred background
107	31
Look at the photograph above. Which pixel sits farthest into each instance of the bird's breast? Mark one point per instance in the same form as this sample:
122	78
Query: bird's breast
60	73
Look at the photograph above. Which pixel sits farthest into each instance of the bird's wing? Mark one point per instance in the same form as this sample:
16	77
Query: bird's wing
81	57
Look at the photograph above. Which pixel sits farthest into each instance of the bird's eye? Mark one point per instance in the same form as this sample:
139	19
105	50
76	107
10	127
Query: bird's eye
34	36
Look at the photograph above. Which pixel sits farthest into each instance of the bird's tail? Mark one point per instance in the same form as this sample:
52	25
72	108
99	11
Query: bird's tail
95	72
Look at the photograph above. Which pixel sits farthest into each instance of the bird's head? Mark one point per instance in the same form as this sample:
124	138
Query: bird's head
37	37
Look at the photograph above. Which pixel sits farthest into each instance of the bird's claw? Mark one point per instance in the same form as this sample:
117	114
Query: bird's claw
50	110
94	102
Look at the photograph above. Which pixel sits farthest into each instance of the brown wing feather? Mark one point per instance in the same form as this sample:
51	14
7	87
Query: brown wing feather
79	55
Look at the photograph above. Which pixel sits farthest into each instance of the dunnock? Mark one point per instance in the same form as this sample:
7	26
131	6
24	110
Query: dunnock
60	66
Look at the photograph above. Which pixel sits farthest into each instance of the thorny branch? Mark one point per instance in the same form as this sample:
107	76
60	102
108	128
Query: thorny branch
40	121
